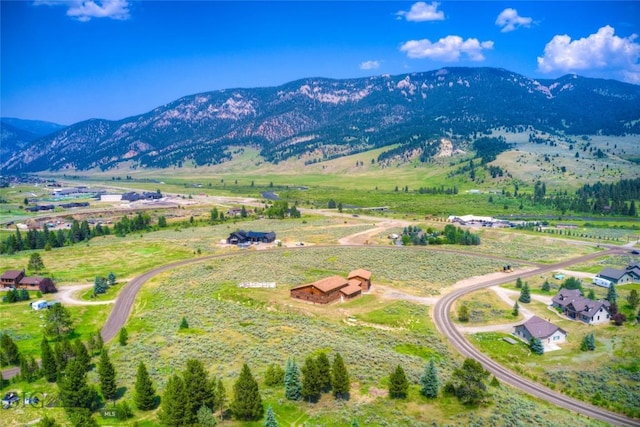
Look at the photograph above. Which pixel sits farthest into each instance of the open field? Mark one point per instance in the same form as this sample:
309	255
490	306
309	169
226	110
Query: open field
229	325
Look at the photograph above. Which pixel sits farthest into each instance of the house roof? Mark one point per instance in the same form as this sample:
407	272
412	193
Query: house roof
540	328
587	307
351	289
365	274
31	280
565	296
572	299
327	284
612	273
260	234
12	274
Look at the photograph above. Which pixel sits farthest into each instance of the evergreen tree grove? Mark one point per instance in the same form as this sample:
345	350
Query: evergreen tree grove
398	384
311	380
49	367
270	420
340	378
174	402
107	374
525	294
429	381
324	372
292	385
247	403
200	392
145	393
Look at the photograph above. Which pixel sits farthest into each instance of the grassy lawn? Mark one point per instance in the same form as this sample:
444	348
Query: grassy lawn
486	308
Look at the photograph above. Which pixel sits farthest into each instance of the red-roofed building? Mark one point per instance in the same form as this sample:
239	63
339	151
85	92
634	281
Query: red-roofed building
363	277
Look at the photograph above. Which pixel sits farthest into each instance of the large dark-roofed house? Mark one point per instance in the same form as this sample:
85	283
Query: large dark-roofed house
615	276
575	306
242	236
536	327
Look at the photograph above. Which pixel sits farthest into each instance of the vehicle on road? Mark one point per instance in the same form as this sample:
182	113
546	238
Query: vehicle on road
9	399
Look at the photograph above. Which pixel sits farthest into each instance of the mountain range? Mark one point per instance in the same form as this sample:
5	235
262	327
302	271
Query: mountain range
318	119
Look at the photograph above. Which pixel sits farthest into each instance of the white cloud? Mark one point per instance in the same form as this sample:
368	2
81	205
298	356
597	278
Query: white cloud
421	11
509	20
370	65
600	51
84	10
447	49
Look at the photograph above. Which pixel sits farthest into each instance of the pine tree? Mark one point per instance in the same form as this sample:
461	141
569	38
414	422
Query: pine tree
107	374
221	397
525	294
270	420
123	336
174	401
429	381
591	342
354	423
591	295
49	367
200	393
247	403
612	295
546	286
82	354
518	283
111	279
9	349
633	299
310	380
516	309
63	352
35	263
184	324
536	346
58	321
463	313
98	343
398	384
75	392
205	417
292	385
324	372
47	422
274	375
340	378
145	393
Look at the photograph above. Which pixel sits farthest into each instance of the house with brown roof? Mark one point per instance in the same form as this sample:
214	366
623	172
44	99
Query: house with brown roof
327	290
536	327
573	305
363	277
11	278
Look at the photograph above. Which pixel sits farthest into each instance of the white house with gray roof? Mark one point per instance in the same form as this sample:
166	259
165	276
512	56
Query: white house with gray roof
549	334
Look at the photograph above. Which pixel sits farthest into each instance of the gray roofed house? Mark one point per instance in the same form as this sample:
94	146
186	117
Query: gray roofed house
575	306
616	276
536	327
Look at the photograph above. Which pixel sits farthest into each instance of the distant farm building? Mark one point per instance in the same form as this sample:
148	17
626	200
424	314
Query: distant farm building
334	288
243	237
536	327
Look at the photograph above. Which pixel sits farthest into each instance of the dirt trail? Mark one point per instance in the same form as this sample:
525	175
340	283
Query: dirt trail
66	293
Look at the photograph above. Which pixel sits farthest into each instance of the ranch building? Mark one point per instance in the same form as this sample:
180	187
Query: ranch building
327	290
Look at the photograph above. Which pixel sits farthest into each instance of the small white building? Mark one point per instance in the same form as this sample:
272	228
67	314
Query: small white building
39	305
549	334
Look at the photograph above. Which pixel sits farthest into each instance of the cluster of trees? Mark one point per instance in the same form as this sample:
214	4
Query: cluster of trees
140	222
46	239
319	376
414	235
101	284
280	209
15	295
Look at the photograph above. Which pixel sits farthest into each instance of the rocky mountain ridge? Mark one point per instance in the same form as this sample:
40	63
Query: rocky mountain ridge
319	119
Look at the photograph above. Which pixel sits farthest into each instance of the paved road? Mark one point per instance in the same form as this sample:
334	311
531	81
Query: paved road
446	326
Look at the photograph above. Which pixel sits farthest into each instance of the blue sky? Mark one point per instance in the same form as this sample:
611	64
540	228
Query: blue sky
71	60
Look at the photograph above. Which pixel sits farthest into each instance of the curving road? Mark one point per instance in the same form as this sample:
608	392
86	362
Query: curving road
446	326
